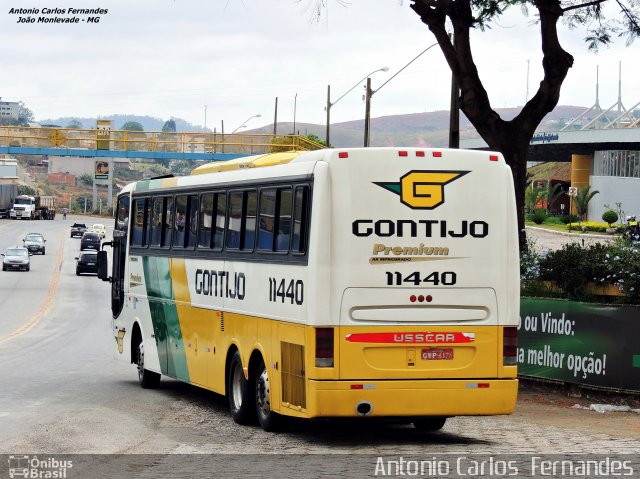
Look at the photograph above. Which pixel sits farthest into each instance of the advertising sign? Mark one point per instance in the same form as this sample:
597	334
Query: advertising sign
102	170
103	132
589	344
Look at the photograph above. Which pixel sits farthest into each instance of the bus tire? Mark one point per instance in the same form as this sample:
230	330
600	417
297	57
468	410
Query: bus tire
429	423
148	379
241	397
269	420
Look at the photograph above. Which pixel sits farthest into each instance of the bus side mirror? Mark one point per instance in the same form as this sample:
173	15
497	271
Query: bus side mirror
103	263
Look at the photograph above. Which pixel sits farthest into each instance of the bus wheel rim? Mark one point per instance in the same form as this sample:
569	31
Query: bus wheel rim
236	386
140	362
263	398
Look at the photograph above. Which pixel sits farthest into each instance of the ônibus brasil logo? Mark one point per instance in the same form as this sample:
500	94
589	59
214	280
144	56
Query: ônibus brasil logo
422	190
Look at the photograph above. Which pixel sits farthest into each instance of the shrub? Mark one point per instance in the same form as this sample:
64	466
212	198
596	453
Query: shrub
610	217
569	219
539	216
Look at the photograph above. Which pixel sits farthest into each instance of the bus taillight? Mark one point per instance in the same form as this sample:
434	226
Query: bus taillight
324	347
510	346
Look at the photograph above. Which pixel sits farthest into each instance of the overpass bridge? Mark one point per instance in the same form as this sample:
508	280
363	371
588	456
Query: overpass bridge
561	145
100	143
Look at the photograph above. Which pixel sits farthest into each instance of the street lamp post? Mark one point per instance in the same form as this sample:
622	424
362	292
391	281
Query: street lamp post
243	124
330	104
370	92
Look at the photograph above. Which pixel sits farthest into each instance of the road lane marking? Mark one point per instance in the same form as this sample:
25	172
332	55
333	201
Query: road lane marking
49	299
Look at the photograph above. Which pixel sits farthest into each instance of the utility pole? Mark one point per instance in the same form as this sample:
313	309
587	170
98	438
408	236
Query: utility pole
205	118
326	136
295	104
275	119
367	112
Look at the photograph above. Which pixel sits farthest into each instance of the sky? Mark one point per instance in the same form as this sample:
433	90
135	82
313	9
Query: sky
170	58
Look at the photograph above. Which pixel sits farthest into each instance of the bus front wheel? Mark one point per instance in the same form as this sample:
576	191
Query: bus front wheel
429	423
268	419
148	379
241	404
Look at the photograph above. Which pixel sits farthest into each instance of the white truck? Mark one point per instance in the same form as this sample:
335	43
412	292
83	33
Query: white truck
24	206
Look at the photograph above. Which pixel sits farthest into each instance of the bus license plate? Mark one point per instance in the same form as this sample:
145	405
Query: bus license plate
437	353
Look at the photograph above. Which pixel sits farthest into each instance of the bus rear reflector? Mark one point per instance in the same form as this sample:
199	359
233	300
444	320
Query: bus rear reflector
419	153
403	153
437	154
343	154
510	346
324	347
493	158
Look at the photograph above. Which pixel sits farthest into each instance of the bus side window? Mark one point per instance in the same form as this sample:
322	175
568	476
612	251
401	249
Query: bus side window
267	218
192	221
219	215
301	219
206	221
181	221
249	221
137	236
283	220
234	219
167	228
156	222
122	220
147	222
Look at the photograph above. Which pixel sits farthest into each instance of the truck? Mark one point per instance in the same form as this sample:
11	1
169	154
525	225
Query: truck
45	207
8	194
34	207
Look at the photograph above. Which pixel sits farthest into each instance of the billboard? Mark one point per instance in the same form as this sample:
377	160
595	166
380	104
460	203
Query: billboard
581	343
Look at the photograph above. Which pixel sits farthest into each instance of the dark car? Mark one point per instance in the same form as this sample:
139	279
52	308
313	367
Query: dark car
34	242
87	262
16	258
90	241
78	229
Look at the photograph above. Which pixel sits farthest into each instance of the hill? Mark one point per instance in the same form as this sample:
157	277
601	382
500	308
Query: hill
416	129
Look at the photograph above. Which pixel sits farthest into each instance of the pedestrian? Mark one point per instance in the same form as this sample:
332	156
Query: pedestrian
64	213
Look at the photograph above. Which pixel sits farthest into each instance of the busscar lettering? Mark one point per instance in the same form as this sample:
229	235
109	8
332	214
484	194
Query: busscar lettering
419	229
220	284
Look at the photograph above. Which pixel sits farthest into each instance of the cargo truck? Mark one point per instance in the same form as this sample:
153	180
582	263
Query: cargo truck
8	194
34	207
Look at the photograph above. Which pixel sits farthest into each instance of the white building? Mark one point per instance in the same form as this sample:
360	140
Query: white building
8	109
616	175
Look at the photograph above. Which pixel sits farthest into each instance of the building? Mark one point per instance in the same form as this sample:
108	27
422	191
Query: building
616	175
9	109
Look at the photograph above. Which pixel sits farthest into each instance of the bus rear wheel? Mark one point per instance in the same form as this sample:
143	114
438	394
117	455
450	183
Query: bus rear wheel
241	399
268	419
148	379
429	423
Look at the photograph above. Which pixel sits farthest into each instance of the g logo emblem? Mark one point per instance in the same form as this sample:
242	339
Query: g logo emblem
423	190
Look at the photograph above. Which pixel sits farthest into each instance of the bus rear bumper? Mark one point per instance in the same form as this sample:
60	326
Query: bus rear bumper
412	398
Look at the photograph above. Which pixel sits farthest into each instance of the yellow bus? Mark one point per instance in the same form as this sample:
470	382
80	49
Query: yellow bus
377	282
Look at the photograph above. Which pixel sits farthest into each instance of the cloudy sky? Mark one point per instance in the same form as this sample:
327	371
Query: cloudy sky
169	58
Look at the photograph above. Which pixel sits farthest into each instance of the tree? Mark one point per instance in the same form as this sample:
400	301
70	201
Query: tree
582	200
26	190
169	126
532	197
25	116
512	137
73	123
552	193
132	126
86	178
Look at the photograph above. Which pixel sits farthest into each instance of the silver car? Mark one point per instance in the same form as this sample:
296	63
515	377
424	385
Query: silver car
16	258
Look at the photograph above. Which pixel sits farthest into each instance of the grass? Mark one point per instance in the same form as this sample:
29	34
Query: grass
556	225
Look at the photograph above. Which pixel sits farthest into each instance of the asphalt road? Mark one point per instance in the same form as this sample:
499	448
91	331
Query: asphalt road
61	391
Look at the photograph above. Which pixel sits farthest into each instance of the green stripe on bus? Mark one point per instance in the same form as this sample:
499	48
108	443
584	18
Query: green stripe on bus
164	314
636	361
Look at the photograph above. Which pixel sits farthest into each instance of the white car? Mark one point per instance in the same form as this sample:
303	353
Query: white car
99	229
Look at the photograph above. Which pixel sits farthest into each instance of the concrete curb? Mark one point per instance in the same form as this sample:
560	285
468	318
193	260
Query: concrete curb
578	235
